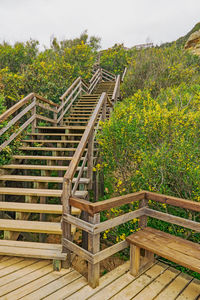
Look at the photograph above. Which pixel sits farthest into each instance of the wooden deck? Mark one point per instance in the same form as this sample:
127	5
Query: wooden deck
29	279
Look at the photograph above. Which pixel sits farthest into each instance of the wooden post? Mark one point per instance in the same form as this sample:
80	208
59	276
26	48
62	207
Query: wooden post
66	227
134	260
90	159
94	247
143	219
34	112
55	115
104	111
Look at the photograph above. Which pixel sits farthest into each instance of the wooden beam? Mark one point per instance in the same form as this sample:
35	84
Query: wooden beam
187	204
172	219
96	207
15	107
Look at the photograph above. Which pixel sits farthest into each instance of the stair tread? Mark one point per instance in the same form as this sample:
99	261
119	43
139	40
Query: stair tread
39	178
55	134
49	148
37	167
35	208
37	192
31	249
31	226
43	157
51	141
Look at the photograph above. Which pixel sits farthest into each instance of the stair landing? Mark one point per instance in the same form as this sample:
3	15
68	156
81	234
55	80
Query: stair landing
25	278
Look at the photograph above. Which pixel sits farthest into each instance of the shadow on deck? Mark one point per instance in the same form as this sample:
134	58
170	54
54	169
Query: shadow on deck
34	279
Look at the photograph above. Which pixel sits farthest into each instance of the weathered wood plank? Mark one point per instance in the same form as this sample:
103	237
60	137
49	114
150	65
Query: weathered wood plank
96	207
187	204
172	219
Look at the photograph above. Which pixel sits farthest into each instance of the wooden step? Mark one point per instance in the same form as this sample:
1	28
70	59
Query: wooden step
37	192
51	127
31	226
42	157
48	149
47	179
38	167
35	208
54	134
31	249
24	148
51	141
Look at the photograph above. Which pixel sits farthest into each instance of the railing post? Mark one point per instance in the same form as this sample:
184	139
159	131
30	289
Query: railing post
90	159
104	111
34	112
62	110
66	227
94	247
143	219
55	116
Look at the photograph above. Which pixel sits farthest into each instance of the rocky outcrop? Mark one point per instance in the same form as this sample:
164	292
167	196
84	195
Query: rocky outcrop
193	43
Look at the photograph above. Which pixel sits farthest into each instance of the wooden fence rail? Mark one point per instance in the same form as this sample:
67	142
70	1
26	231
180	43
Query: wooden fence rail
94	256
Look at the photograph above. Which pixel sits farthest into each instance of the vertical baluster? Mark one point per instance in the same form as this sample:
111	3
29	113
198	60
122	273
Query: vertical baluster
94	247
34	112
66	227
90	159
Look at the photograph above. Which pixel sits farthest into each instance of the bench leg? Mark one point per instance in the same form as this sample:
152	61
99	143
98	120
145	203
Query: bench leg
56	265
134	260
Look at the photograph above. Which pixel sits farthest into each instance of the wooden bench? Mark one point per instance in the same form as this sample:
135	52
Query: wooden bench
171	247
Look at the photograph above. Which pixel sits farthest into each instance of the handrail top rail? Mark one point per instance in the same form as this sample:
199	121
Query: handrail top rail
83	142
117	85
124	74
106	71
23	101
15	107
70	88
93	208
94	75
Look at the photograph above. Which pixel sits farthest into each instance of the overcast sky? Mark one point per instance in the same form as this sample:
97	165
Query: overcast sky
116	21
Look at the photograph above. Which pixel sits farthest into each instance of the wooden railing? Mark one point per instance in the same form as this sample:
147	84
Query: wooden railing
116	92
70	96
35	107
93	255
25	112
99	114
96	78
124	74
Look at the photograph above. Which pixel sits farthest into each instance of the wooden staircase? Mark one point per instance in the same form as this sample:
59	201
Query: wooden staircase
31	186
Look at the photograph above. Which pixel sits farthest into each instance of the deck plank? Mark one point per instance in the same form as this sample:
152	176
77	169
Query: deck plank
53	286
174	288
154	288
191	292
139	283
34	281
87	291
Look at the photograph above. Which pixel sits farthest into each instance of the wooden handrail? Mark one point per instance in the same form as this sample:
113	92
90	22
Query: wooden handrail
15	107
106	71
83	142
124	74
70	88
174	201
115	94
93	208
46	100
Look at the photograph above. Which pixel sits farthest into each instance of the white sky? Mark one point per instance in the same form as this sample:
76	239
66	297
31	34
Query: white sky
116	21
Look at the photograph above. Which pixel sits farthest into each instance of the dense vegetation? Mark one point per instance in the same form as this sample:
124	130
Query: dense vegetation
152	140
25	69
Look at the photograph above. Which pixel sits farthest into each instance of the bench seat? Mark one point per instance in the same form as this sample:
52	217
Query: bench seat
176	249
